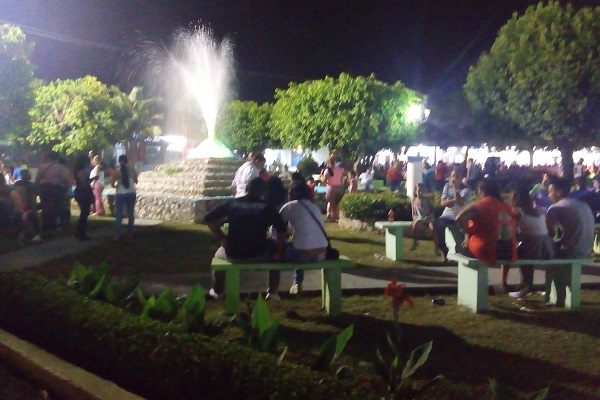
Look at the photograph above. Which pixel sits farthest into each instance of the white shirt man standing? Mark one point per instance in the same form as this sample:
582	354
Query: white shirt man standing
244	174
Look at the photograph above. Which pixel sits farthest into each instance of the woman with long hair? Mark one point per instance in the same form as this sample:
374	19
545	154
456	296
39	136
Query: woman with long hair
333	176
124	180
83	195
534	241
97	177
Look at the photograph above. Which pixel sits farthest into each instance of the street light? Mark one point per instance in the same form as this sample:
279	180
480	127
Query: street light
417	113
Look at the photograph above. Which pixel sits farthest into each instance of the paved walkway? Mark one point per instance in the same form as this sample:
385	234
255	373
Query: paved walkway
422	278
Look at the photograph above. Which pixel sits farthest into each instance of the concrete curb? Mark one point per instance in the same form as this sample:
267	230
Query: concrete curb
61	377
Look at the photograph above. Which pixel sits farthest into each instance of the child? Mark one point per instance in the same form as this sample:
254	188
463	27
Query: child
352	182
422	212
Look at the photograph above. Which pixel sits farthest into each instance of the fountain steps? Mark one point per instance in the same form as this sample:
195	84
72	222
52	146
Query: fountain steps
185	191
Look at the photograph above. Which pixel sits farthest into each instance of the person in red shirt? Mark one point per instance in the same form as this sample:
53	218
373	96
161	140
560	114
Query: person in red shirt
394	177
490	226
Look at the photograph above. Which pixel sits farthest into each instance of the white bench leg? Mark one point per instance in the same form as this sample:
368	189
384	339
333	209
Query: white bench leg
563	286
473	287
394	247
331	291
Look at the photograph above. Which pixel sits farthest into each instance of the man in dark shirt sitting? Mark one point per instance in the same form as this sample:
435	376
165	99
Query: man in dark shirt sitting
246	240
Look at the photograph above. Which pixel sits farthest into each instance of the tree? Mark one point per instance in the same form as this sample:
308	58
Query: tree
73	115
243	126
137	120
357	115
542	74
17	79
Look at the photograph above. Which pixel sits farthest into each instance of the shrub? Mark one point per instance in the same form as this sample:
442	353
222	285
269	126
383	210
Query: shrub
365	206
154	359
308	166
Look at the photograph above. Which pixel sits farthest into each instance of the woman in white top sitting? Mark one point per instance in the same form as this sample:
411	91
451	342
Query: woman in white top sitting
534	241
124	181
309	242
366	180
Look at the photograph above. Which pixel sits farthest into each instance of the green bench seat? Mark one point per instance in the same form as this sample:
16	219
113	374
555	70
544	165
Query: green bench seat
563	280
331	280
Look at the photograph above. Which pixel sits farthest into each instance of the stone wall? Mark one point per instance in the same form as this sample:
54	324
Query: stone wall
185	191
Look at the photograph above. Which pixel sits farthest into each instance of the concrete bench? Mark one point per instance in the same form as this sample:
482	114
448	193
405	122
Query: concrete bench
331	280
394	232
563	280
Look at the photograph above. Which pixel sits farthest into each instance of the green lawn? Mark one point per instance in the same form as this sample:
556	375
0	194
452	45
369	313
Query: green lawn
526	348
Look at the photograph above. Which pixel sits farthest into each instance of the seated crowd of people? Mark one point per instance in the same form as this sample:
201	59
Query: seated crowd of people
261	218
552	219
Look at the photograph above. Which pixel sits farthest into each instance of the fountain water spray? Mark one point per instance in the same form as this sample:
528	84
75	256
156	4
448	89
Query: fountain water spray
203	70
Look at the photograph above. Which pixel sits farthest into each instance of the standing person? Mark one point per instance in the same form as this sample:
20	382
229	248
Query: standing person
393	177
309	243
97	183
18	170
533	237
441	170
124	180
248	171
428	176
455	197
572	219
352	182
333	176
472	174
24	198
422	213
489	225
249	219
83	195
578	169
52	179
539	193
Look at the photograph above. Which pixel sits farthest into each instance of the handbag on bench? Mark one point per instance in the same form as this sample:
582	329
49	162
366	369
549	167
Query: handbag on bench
331	253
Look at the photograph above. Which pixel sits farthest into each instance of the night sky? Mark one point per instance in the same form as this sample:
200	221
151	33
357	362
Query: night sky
427	44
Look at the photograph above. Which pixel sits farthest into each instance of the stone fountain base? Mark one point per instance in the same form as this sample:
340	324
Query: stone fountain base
185	191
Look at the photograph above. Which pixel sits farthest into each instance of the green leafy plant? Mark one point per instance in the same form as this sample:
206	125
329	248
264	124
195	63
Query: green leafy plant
163	308
192	309
262	331
501	392
97	283
118	292
88	280
332	349
397	372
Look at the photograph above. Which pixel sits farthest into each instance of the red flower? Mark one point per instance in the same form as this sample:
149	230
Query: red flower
398	295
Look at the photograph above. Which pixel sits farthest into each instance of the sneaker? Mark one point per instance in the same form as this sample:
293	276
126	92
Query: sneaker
296	288
521	293
36	238
213	294
273	296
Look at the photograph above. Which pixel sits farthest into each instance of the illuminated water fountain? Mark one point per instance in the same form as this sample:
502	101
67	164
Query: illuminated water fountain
195	75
